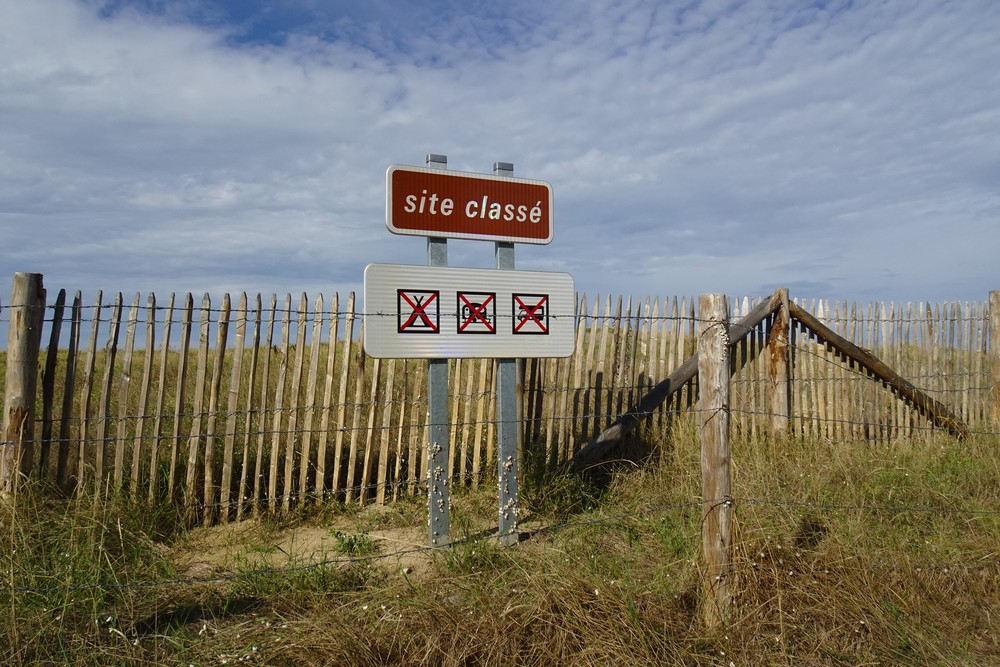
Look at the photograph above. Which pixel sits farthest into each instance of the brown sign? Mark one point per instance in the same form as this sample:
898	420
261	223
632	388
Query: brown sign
454	204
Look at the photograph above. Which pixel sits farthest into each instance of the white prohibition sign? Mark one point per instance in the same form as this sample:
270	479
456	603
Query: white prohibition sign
477	313
415	306
531	315
443	312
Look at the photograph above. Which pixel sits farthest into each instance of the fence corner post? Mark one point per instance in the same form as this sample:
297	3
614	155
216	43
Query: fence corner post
995	356
24	336
779	378
717	505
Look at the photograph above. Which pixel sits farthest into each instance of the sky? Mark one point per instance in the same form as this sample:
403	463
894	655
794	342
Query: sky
842	149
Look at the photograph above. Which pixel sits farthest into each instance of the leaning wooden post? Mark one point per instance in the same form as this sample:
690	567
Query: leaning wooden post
717	507
995	356
27	308
779	378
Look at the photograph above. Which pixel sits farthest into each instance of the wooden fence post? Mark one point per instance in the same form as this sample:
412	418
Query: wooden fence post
995	355
717	507
24	336
779	385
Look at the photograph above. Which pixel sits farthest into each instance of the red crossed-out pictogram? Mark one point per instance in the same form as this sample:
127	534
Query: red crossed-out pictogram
530	319
476	315
418	321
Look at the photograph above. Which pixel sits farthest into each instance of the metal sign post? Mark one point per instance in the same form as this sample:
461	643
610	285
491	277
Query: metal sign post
507	409
440	313
438	441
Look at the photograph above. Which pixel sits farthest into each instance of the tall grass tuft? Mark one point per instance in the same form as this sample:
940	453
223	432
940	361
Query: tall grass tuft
844	553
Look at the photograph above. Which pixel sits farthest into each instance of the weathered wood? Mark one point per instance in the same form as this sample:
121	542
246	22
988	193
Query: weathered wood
274	462
244	491
485	367
265	384
161	393
191	495
417	459
143	405
295	396
187	318
63	472
454	391
572	413
938	414
104	407
597	448
389	400
49	384
319	483
24	336
210	493
359	388
232	408
345	380
370	433
994	352
305	458
124	383
714	346
400	431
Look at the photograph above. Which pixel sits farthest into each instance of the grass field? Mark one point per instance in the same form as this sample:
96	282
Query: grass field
844	554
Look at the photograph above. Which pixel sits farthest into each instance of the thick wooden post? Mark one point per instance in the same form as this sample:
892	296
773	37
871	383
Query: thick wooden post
779	384
27	308
995	355
717	507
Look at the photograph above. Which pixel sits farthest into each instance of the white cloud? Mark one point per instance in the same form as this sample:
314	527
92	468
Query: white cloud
844	148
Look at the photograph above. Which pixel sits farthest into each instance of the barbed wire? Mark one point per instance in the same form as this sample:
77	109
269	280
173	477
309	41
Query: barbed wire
605	418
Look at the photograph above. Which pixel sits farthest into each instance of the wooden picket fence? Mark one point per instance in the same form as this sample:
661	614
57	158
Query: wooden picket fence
232	409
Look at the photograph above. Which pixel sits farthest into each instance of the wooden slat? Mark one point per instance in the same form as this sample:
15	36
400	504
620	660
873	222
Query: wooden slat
49	384
144	392
417	458
331	367
161	394
356	424
596	449
305	460
277	430
86	393
63	471
244	490
404	404
388	395
264	416
571	415
210	493
191	491
232	410
345	379
370	433
481	400
187	318
263	411
455	381
292	437
940	414
123	391
104	407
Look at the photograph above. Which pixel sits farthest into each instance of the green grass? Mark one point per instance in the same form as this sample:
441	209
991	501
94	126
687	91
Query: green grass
843	554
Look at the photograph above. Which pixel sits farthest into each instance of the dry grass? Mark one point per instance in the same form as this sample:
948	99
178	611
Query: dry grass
844	554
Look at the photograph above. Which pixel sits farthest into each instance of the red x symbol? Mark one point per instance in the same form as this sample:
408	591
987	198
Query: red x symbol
530	313
419	310
477	312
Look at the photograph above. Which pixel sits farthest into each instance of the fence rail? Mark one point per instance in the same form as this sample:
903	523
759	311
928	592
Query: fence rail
234	408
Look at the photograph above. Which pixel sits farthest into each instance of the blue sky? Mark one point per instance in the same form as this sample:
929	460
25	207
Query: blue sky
845	150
